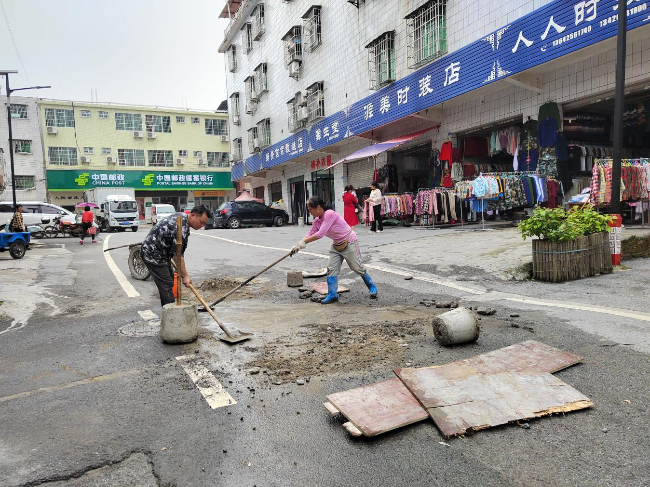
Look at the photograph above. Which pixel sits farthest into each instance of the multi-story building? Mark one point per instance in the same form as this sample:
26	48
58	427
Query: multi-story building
27	148
173	156
310	84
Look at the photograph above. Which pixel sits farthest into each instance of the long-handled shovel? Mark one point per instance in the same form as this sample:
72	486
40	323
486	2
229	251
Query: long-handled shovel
214	303
229	338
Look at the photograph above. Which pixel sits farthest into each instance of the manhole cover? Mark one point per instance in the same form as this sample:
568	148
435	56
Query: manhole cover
141	329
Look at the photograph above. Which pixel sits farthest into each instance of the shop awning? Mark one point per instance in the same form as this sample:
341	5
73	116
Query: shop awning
373	150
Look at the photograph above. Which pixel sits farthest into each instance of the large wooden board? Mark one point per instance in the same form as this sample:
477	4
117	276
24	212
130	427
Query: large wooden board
495	388
380	407
321	288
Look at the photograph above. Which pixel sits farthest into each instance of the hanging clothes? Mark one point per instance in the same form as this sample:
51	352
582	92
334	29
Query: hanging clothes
547	135
551	110
445	152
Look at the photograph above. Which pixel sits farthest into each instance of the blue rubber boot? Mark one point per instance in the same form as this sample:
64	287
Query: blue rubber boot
371	285
332	287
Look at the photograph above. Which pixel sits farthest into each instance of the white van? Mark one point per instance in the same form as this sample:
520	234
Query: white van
33	212
160	211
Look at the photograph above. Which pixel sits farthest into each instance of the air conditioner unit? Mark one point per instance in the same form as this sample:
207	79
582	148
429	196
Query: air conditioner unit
51	130
256	144
224	138
85	160
201	161
303	114
235	119
137	134
294	68
110	160
151	135
180	162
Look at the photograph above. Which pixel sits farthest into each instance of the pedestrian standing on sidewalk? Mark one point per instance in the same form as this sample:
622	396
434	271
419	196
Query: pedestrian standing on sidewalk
375	200
350	204
328	223
159	247
16	224
87	219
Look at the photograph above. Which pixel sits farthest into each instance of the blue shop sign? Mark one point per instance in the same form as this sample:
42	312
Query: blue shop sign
550	32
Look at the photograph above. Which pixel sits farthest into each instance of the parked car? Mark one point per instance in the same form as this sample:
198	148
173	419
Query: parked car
233	214
159	211
34	212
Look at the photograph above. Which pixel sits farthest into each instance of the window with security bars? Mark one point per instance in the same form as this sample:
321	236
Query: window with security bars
253	140
312	28
89	150
128	121
22	146
25	182
18	111
196	120
381	60
160	158
102	114
258	28
264	132
247	37
261	78
130	157
234	108
218	159
232	58
198	154
158	123
180	119
427	33
315	102
293	45
85	113
182	153
106	151
63	156
59	117
295	124
215	126
237	149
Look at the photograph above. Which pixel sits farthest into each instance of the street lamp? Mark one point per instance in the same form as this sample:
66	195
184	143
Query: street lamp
6	74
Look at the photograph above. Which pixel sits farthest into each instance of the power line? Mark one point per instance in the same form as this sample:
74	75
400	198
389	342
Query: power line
11	34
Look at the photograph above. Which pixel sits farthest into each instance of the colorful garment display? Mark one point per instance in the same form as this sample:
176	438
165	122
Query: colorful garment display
635	181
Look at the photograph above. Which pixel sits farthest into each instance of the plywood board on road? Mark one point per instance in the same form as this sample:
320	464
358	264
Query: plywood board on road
495	388
321	288
380	407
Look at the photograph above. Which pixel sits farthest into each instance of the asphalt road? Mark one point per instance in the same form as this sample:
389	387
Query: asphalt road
83	404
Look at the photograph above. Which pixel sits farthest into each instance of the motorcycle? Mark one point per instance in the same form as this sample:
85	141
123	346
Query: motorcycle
66	229
39	230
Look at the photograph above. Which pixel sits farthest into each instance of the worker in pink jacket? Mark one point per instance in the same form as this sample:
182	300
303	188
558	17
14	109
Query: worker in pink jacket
328	223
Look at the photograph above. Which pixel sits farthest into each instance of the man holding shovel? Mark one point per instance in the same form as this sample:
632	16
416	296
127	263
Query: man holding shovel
159	247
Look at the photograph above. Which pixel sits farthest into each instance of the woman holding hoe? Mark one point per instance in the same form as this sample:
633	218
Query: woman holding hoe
328	223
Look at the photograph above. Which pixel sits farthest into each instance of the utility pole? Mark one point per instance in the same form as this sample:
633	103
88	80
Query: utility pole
619	105
11	139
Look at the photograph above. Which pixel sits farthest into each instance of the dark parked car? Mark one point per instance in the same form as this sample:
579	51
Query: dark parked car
233	214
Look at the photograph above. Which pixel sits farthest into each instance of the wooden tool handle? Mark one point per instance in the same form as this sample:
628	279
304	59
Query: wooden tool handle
179	249
198	296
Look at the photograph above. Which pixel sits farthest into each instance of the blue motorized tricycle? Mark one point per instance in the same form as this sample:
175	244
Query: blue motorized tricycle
16	242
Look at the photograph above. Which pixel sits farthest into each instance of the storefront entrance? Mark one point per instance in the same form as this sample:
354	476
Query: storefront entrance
297	196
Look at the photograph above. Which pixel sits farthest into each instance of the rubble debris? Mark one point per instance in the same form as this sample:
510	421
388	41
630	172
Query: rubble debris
486	311
306	294
457	326
514	315
408	278
294	279
429	303
254	370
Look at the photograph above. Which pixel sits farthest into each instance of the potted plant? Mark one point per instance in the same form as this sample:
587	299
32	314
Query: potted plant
570	244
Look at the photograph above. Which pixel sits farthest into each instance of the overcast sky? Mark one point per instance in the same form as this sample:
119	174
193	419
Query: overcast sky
145	52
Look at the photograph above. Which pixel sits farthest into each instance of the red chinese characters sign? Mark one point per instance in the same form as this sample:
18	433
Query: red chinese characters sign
322	163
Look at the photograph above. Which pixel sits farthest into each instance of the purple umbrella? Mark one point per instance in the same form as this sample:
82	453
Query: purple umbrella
81	205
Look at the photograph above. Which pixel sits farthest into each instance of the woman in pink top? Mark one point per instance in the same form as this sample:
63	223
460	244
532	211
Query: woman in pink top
328	223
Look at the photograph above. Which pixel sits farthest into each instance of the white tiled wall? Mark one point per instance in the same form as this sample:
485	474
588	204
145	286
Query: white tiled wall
25	164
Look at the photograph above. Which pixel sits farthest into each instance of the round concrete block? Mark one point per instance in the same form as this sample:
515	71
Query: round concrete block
456	326
179	324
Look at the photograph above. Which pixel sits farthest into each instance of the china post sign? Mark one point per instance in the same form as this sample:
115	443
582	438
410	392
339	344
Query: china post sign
550	32
75	180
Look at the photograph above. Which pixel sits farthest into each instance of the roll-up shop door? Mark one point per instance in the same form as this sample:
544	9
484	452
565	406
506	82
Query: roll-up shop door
359	173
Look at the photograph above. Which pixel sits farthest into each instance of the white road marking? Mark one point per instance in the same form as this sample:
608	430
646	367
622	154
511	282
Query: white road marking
148	315
207	384
121	278
477	292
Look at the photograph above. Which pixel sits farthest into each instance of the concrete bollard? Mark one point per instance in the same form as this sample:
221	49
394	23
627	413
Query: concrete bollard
460	325
294	279
179	324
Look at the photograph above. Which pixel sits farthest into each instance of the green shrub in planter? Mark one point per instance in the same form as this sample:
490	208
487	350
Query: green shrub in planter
557	225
